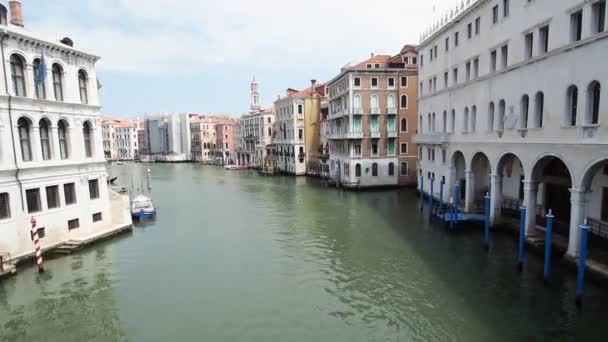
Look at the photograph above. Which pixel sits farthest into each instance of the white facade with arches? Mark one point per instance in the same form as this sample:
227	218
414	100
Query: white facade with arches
522	110
52	164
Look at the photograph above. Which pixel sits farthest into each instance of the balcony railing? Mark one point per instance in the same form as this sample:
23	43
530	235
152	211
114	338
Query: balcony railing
392	134
375	111
391	111
375	135
357	111
431	138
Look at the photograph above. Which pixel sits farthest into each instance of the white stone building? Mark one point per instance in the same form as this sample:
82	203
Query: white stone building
289	138
52	165
167	138
120	139
511	102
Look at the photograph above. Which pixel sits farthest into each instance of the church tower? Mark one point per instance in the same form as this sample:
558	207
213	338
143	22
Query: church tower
255	95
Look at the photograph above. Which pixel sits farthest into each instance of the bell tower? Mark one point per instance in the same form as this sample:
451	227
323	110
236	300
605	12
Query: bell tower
255	95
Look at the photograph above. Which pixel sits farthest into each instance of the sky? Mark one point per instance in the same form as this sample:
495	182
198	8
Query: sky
200	55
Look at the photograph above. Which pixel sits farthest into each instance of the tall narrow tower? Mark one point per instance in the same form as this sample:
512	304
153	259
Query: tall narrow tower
255	95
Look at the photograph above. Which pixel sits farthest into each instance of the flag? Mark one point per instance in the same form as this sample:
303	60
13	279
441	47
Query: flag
41	76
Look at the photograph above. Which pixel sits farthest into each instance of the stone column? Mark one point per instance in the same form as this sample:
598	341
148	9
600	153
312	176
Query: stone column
449	184
578	213
35	143
530	195
495	197
469	191
55	152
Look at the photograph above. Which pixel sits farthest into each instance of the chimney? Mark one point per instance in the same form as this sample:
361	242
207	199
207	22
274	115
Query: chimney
372	55
313	84
16	12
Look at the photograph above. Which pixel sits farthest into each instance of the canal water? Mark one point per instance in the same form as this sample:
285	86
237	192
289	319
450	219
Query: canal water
234	256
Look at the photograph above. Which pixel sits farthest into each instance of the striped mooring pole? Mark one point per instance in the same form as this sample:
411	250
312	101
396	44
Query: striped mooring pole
582	262
522	239
548	245
37	245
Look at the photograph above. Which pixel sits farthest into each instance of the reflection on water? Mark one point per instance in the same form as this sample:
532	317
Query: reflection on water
234	256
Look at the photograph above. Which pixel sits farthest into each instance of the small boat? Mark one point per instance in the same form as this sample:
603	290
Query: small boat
235	167
142	208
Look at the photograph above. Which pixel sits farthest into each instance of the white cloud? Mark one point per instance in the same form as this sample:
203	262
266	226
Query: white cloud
177	36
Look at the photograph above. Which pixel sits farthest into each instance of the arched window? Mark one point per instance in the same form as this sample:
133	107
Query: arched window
391	169
433	120
428	122
404	125
86	132
270	131
523	118
17	75
491	117
445	122
539	101
375	169
420	124
40	88
390	101
374	101
82	85
594	103
58	82
404	101
3	15
358	170
44	140
465	122
453	121
571	105
63	139
501	115
24	139
357	100
473	123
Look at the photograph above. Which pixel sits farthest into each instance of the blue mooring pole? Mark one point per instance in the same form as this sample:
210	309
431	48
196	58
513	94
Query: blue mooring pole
582	262
487	223
548	243
456	203
451	212
421	193
440	210
432	180
522	238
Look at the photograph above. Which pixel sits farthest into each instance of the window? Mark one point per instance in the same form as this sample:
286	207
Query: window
44	139
82	85
5	206
491	117
404	101
391	82
390	101
69	191
421	61
468	71
539	102
374	124
377	66
505	8
300	134
473	123
453	122
572	105
17	75
501	115
33	200
455	76
447	44
445	122
465	123
443	156
357	82
73	224
357	149
523	119
97	217
469	30
52	197
493	61
495	15
374	102
374	148
24	139
504	55
598	16
300	109
475	68
404	168
413	60
576	26
391	147
404	125
369	66
477	26
94	189
435	51
357	101
594	102
40	89
529	41
375	170
403	149
456	39
404	81
357	125
544	39
41	233
431	54
445	79
63	142
374	82
358	170
391	169
86	131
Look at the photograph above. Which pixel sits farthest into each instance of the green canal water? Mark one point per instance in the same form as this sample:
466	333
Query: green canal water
234	256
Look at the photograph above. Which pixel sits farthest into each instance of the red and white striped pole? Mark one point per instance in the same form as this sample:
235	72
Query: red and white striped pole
37	244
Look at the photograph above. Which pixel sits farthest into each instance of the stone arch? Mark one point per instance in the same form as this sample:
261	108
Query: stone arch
458	167
481	169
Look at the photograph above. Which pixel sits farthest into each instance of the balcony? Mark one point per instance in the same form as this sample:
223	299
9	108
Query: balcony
392	134
346	135
375	111
375	135
391	111
431	138
357	111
